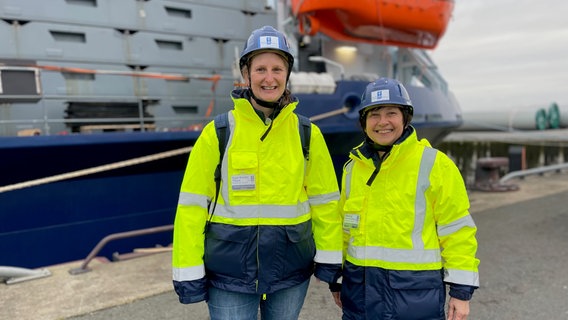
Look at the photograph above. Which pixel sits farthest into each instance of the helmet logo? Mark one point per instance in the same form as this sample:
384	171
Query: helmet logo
269	42
380	95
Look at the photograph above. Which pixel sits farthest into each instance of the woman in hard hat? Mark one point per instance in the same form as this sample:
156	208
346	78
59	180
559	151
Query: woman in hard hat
276	221
407	229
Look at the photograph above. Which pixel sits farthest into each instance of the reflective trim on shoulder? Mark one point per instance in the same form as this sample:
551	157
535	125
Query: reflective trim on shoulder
189	273
395	255
326	256
324	198
466	221
192	199
470	278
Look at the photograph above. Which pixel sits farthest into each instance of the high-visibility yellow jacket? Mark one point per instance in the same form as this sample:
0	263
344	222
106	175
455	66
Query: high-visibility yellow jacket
275	216
405	216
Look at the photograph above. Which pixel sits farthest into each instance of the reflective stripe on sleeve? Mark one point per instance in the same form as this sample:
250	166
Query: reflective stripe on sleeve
324	198
189	273
469	278
192	199
448	229
325	256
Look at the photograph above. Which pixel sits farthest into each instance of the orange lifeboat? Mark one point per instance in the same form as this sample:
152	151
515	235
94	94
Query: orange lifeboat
405	23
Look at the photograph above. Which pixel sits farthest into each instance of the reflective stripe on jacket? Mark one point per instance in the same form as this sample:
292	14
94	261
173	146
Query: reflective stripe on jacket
414	216
276	214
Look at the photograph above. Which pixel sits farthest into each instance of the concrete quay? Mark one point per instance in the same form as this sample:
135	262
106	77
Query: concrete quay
523	248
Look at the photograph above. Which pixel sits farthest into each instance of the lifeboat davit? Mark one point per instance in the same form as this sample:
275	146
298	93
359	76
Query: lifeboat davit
404	23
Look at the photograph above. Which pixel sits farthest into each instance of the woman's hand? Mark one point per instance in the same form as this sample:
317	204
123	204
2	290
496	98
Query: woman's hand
457	309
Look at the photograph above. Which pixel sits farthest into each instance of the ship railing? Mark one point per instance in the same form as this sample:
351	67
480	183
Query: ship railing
42	126
117	236
541	170
88	125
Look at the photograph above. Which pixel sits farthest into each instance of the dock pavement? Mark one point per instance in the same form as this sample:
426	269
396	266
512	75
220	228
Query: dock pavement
523	248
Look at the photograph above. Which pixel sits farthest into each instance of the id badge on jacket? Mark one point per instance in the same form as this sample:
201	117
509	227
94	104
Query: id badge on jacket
351	221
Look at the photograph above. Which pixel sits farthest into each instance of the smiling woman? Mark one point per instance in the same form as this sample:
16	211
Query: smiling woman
408	232
267	79
384	124
274	220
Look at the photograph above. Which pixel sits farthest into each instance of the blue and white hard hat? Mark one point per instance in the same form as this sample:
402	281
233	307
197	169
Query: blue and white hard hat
382	92
266	39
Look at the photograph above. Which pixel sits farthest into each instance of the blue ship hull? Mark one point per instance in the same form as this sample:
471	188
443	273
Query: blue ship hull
62	221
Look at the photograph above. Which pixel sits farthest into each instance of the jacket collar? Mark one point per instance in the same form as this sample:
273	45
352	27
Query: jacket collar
241	99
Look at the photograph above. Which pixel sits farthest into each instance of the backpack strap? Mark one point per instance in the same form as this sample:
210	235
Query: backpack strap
222	129
305	127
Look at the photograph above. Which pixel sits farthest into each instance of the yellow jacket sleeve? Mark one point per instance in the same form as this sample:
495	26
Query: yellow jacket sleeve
323	193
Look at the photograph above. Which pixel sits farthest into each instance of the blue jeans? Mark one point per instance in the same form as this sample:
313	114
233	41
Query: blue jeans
282	305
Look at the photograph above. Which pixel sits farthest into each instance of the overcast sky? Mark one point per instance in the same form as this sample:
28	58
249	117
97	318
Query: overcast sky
506	53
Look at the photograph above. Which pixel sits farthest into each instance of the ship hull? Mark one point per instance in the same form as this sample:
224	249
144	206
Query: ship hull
61	221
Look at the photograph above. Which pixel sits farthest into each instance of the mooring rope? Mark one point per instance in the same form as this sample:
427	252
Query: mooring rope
88	171
329	114
131	162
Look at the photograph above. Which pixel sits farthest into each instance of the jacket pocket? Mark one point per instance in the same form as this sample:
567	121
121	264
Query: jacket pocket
353	209
416	294
227	251
244	161
243	173
354	204
353	291
300	248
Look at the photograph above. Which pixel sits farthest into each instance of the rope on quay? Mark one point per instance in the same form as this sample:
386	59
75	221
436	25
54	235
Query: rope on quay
93	170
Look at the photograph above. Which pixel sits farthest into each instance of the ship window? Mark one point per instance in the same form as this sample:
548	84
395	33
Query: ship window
169	45
63	36
88	3
185	109
78	76
85	116
19	83
177	12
